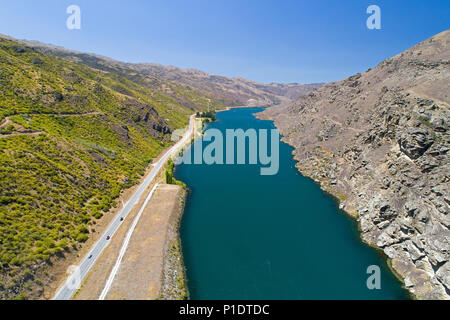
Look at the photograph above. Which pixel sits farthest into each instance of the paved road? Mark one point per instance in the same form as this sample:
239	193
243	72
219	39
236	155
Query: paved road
74	280
124	247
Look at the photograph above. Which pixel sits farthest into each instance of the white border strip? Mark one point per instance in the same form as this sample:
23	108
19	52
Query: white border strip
126	241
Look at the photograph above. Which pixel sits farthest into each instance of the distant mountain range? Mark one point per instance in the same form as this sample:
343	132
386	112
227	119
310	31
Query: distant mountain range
229	91
235	91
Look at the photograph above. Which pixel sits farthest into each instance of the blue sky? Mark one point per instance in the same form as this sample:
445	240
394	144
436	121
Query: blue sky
262	40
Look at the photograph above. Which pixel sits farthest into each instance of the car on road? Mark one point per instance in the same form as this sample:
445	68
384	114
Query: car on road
90	256
108	237
121	219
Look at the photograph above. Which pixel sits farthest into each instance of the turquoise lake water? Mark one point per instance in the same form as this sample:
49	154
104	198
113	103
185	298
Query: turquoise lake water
248	236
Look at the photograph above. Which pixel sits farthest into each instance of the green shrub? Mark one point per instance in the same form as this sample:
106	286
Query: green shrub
82	237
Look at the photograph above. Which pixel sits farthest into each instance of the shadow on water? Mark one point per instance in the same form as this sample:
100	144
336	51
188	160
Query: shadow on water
248	236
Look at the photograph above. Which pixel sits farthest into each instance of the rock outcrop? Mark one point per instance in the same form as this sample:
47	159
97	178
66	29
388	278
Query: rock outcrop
379	142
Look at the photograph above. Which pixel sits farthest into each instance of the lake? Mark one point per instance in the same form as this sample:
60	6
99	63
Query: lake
249	236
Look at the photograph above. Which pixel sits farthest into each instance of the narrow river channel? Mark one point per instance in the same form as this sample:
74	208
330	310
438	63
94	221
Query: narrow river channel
250	236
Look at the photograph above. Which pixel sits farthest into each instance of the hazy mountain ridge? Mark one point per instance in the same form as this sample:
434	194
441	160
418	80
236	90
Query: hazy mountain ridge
234	91
379	142
229	91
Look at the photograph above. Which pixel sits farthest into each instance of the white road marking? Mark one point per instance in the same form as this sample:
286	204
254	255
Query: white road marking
67	290
126	241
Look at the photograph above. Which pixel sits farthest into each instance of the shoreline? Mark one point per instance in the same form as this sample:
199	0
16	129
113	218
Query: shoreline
173	257
197	132
242	107
59	268
342	209
151	268
336	199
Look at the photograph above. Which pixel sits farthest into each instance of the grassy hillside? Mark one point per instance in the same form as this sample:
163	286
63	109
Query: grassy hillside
71	138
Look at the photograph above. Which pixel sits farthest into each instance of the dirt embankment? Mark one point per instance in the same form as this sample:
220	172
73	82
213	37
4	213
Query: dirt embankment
95	280
59	267
152	267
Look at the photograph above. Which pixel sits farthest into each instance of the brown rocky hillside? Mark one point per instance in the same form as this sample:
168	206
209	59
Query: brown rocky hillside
232	91
379	142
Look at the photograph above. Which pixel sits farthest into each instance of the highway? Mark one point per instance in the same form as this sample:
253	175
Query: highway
124	247
73	282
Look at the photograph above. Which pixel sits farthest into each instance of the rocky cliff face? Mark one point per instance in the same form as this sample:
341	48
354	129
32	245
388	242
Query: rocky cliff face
379	142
